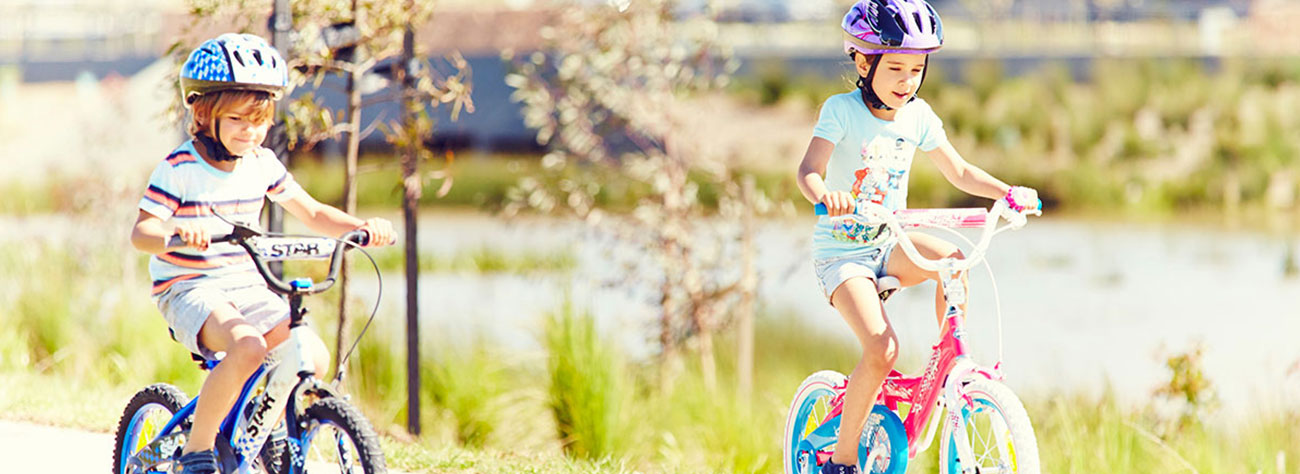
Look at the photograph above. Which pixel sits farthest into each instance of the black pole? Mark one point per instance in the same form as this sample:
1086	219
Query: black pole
410	201
277	141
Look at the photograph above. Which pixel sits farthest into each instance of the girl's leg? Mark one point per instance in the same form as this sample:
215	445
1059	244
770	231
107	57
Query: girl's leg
859	304
909	274
224	331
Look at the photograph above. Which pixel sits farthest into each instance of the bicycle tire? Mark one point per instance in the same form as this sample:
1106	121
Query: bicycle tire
337	414
809	409
133	423
995	414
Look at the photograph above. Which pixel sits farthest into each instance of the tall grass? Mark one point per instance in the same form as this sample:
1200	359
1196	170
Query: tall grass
74	320
75	310
588	386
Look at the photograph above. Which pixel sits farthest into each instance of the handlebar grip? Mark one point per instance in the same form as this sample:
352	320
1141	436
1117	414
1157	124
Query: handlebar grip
819	209
175	240
359	237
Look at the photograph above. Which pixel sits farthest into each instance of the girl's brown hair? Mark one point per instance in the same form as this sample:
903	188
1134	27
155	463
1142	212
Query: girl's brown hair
207	107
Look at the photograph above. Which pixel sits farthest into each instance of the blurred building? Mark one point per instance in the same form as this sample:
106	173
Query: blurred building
59	40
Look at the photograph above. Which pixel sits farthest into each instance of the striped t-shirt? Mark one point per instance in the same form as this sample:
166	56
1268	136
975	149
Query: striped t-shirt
186	188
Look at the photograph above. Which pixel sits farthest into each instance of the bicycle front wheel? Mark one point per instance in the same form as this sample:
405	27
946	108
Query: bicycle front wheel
339	440
142	421
998	429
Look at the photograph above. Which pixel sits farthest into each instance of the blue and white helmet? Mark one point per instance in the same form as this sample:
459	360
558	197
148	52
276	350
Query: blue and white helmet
233	62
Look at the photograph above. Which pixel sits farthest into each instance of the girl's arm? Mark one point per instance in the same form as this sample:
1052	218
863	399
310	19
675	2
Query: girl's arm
811	183
329	220
965	176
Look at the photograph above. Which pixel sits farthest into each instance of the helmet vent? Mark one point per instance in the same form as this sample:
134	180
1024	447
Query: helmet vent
238	57
257	54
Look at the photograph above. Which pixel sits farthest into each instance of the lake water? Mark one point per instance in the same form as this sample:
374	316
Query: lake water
1085	304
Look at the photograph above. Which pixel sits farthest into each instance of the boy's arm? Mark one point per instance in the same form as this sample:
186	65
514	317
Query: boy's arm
965	176
329	220
151	234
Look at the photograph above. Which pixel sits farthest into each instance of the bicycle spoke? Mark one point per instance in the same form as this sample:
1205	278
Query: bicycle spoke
346	462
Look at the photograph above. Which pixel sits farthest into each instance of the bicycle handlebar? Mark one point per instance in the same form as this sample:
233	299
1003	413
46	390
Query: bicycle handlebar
965	218
315	248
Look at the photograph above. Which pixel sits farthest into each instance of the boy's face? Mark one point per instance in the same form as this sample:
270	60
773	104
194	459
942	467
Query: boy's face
897	77
239	133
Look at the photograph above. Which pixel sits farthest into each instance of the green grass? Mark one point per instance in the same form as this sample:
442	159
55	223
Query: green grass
78	337
588	390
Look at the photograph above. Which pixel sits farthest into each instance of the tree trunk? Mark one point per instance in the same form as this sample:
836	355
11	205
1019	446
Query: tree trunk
410	200
708	366
748	282
349	201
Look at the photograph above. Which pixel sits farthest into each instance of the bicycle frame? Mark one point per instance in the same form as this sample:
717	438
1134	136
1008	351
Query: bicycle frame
246	435
949	361
288	374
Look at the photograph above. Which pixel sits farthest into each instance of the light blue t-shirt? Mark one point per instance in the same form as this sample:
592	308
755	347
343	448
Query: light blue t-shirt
872	159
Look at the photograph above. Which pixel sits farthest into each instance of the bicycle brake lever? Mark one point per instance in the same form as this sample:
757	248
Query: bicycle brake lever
239	230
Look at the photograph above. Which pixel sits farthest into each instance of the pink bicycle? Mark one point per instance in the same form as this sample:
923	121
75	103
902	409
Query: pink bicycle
986	429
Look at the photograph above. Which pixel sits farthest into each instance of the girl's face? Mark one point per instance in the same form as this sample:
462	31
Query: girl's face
897	76
240	133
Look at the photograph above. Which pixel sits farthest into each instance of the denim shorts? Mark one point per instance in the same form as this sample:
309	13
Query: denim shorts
869	263
187	305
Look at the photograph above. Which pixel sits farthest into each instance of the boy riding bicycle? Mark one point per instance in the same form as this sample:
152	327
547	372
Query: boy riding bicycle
862	150
211	296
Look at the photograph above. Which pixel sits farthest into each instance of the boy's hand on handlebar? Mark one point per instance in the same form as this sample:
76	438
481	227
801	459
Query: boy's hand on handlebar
381	232
838	203
193	235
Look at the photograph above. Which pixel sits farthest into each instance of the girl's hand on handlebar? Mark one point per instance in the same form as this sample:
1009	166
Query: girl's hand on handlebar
838	203
381	232
194	235
1022	198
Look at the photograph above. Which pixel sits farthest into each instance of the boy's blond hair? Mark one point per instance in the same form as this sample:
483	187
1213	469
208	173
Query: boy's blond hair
215	104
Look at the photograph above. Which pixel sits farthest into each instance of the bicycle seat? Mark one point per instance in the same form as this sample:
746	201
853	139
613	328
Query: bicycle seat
886	286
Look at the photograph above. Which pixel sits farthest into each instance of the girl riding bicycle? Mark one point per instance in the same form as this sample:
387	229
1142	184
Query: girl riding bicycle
212	297
862	150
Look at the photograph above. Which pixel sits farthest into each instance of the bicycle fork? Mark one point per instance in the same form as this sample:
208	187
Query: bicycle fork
954	295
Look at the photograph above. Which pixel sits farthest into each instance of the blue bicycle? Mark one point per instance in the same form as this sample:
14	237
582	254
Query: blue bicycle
326	434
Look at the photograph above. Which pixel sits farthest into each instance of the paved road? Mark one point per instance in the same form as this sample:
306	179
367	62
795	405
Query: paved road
28	448
33	448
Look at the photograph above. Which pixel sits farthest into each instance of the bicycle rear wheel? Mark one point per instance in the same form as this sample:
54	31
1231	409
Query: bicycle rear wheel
882	448
145	415
339	440
809	409
998	428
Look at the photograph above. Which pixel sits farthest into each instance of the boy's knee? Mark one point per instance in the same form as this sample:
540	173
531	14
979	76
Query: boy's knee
247	351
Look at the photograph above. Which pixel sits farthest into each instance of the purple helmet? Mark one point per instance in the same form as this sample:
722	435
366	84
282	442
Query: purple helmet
892	26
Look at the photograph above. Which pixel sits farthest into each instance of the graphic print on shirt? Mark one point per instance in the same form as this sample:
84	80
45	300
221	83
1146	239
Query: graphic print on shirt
880	180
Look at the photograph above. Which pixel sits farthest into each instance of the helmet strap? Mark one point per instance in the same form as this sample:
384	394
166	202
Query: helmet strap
869	96
924	70
216	150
